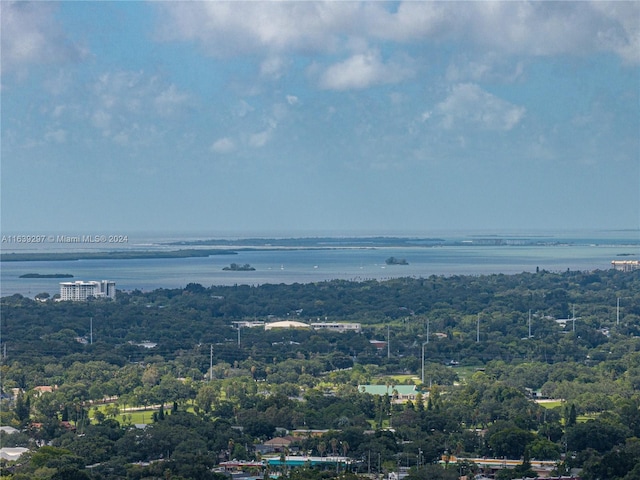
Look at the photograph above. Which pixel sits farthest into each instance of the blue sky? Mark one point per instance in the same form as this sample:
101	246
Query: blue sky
331	118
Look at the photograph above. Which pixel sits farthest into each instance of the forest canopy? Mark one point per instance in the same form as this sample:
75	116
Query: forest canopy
479	349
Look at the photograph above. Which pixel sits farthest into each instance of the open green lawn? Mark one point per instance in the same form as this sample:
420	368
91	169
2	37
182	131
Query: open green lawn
403	379
465	372
551	404
133	417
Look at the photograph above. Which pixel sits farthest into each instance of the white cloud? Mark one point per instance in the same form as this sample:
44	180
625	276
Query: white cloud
57	136
623	34
31	35
530	28
242	109
488	67
122	101
170	100
121	138
292	100
260	139
223	145
229	28
273	67
101	120
362	70
468	104
557	28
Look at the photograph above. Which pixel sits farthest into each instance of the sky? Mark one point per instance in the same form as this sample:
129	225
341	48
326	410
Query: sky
319	118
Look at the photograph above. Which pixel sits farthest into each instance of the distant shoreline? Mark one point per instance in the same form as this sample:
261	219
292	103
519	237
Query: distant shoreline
46	275
313	242
119	255
210	247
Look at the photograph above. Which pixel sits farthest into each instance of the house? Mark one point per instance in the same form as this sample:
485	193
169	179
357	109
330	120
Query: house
398	393
277	445
39	390
309	433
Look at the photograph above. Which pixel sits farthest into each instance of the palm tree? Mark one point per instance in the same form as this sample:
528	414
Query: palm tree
345	448
322	447
230	447
334	445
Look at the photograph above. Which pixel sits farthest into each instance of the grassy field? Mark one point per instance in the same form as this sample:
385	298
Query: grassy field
465	372
125	417
404	379
550	404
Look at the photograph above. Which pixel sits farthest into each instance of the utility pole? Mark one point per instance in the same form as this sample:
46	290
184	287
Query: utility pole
238	334
388	343
529	323
423	344
211	363
618	312
427	338
91	331
478	330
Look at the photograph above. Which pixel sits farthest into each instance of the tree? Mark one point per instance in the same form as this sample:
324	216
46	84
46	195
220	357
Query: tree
23	407
596	434
543	449
207	397
70	473
54	457
570	415
509	441
322	448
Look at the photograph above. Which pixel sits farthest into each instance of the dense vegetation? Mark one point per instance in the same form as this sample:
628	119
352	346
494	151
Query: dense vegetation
225	390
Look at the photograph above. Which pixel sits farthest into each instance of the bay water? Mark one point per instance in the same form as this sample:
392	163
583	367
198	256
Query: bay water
555	253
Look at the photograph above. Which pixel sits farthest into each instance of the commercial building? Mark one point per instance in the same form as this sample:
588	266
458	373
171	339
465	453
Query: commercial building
286	324
337	327
80	291
625	265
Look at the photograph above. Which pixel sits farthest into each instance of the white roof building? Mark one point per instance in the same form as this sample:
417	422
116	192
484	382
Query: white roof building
337	327
79	290
285	324
12	453
625	265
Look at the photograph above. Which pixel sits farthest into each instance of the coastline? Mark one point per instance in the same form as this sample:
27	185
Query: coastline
195	248
113	255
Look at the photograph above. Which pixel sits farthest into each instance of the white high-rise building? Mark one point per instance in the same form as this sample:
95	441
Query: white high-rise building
79	290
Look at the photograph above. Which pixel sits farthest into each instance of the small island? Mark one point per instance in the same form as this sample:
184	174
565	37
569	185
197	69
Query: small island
46	275
396	261
234	267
